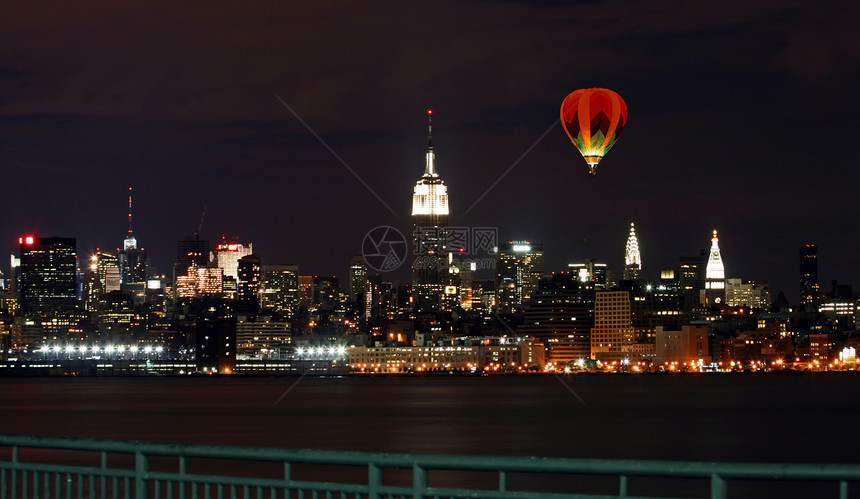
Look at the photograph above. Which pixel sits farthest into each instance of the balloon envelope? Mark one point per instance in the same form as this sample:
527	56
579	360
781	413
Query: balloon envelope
593	119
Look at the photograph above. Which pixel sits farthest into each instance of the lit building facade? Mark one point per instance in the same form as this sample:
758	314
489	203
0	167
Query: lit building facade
747	294
621	329
596	275
525	354
430	212
227	254
280	288
263	338
687	348
632	257
199	281
47	275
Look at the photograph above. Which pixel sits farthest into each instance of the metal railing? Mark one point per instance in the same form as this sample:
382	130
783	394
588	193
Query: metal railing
45	467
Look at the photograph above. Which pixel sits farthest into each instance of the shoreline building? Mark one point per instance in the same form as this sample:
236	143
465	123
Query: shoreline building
430	212
632	257
561	315
714	293
621	327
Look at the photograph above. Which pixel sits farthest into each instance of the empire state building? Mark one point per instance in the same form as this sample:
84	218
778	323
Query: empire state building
430	230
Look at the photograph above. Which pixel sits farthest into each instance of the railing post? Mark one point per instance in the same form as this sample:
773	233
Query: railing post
104	477
419	481
14	471
140	470
622	486
718	487
374	481
843	489
503	481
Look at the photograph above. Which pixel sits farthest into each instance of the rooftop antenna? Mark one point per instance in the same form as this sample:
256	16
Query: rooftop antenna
200	225
130	230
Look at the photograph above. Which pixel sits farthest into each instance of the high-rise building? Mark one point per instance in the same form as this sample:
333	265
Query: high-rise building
191	251
132	259
107	266
809	288
632	257
715	276
227	255
47	275
357	279
249	271
280	288
430	267
691	272
519	268
620	325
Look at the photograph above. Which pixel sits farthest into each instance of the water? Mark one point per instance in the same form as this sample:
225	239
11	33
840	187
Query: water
716	417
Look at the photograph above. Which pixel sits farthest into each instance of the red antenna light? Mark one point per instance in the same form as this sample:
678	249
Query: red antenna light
429	111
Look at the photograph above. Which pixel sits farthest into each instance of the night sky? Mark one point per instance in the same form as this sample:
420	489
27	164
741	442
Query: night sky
741	118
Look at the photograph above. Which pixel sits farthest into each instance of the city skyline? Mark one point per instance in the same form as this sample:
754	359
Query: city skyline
718	98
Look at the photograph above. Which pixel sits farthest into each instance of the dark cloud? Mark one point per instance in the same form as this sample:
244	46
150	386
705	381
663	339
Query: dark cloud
741	119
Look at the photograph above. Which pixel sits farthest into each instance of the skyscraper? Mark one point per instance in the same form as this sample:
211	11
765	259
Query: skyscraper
280	288
357	279
430	213
132	260
249	271
47	274
715	276
519	268
809	288
191	252
632	257
227	254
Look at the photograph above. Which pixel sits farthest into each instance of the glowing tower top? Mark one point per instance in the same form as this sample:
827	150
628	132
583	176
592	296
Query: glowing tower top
430	196
715	269
632	257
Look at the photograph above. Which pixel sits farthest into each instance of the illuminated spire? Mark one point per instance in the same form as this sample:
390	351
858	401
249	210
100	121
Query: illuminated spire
430	166
130	242
632	257
715	269
631	254
430	196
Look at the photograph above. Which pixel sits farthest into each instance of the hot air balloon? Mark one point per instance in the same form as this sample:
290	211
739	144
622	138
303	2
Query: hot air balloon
593	119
